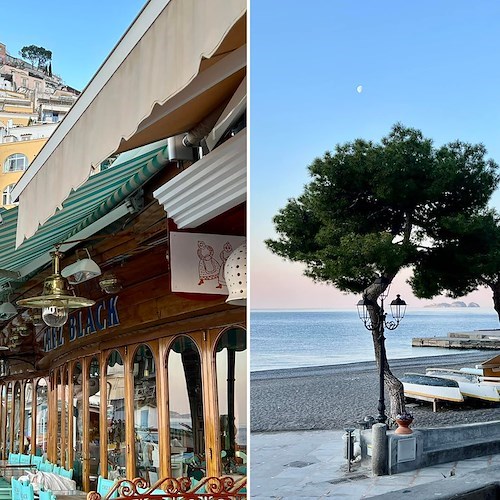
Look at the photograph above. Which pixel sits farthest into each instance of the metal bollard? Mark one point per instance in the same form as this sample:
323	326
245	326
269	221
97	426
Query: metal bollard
349	452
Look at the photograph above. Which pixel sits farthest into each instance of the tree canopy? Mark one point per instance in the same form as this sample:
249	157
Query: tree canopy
38	56
468	256
372	209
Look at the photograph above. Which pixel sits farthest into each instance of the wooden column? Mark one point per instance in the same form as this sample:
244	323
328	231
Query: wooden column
21	417
63	396
33	416
103	420
163	409
211	408
71	445
129	411
86	423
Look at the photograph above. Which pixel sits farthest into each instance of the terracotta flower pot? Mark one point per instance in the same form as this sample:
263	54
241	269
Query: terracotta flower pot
403	426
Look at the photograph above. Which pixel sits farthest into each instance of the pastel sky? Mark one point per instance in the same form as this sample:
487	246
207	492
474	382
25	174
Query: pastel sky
430	65
79	34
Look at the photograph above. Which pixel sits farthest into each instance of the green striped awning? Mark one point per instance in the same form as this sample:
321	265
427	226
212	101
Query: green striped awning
98	196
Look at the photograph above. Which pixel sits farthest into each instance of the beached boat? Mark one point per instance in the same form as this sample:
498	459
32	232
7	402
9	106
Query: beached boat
470	384
429	388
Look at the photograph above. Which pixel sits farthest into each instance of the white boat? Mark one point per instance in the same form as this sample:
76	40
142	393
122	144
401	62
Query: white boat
470	384
489	369
430	388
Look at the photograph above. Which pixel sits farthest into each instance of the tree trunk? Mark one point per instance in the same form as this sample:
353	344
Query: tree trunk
496	298
393	385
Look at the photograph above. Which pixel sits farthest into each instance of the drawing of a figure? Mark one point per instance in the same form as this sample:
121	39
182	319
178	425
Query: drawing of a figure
227	250
208	267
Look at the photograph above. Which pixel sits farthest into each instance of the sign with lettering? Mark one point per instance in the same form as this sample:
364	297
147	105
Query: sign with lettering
83	322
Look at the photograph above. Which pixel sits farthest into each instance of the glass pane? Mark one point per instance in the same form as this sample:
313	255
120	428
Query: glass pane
77	424
94	408
16	412
9	418
187	437
147	457
42	414
28	403
231	364
115	381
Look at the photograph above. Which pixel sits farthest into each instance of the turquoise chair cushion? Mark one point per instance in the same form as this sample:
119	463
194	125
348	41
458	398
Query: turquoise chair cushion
57	469
14	458
36	460
25	459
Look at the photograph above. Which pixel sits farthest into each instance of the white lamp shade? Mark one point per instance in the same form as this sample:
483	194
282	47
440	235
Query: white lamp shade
7	311
235	272
82	270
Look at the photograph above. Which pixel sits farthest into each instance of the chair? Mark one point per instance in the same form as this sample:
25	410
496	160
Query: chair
14	458
24	459
16	489
57	469
46	495
46	467
66	473
27	492
35	460
21	490
104	485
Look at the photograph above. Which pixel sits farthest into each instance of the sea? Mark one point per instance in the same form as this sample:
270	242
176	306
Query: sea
292	339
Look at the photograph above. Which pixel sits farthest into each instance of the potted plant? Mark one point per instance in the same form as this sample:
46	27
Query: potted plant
404	420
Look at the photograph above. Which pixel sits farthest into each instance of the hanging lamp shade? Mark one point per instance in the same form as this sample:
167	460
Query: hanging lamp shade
82	270
7	311
235	272
56	299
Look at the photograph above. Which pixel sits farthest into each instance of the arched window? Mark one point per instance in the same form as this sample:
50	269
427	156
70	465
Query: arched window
15	163
7	195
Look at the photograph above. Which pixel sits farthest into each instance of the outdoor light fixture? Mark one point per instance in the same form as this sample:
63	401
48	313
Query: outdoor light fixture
235	272
109	283
82	270
56	299
375	319
4	367
7	311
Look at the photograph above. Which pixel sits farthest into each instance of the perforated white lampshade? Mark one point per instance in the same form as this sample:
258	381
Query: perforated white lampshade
235	272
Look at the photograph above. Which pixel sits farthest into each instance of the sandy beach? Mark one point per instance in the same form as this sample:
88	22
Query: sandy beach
333	397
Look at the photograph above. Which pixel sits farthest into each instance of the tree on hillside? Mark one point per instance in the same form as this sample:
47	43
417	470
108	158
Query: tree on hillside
371	210
38	56
470	247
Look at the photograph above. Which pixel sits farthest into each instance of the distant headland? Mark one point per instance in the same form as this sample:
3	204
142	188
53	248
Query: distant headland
457	303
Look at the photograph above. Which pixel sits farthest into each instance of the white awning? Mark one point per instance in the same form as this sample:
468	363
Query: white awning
178	61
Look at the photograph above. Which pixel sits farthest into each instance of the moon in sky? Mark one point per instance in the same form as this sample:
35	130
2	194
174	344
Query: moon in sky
359	89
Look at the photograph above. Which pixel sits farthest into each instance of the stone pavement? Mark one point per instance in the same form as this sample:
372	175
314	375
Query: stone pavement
310	464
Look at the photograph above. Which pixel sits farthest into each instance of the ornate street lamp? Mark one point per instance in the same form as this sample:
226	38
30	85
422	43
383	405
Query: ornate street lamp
376	320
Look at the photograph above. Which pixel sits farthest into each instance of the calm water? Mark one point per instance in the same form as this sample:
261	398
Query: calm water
290	339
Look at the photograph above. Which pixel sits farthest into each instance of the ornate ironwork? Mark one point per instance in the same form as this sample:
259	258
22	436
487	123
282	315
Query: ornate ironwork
225	487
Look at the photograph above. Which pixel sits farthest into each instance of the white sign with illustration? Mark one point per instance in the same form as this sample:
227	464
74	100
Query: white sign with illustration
197	261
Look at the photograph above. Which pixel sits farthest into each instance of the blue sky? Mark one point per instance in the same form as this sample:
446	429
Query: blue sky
430	65
79	34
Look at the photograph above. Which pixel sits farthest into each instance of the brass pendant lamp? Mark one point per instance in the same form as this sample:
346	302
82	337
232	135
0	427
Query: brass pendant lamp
56	299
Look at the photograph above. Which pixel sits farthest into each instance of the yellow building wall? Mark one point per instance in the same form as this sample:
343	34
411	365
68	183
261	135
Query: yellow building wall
16	120
28	148
11	108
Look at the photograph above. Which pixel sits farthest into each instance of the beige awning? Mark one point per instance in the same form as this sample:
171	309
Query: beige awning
180	60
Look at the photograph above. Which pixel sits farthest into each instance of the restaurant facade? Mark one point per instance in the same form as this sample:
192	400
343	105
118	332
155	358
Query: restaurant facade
149	377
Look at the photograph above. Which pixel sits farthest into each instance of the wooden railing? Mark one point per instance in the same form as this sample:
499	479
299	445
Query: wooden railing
179	488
